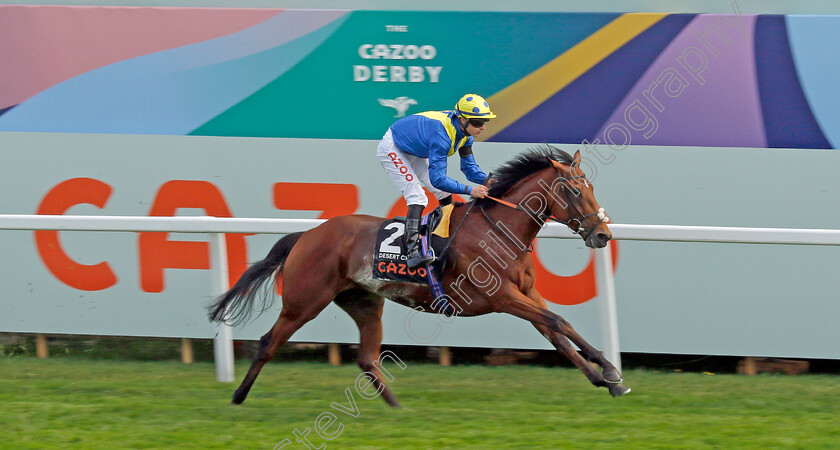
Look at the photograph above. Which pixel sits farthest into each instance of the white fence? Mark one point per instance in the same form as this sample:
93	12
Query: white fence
217	227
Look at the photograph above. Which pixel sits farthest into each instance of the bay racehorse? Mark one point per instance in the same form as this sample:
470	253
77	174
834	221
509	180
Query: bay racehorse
333	263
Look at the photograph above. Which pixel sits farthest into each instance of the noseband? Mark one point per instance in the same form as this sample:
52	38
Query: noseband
576	223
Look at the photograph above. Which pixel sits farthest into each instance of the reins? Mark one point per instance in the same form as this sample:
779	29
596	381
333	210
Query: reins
472	203
578	228
452	237
502	232
546	217
543	216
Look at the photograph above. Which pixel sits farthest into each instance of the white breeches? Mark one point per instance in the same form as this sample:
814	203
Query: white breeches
409	172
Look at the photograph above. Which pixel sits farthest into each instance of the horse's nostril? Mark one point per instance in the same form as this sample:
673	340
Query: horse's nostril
604	237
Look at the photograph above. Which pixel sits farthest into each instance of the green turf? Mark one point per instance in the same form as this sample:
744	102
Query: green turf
80	403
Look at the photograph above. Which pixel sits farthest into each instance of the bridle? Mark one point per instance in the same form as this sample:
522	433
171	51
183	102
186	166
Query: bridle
576	224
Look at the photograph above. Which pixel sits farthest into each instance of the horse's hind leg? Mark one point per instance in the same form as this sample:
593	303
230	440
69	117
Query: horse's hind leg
366	310
290	320
269	343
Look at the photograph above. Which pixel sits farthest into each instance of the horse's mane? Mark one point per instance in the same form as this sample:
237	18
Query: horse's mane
522	165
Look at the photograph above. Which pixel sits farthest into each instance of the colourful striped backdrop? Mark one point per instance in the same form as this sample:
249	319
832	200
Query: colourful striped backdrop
617	79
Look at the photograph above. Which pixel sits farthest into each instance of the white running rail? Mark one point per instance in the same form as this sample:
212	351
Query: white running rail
218	226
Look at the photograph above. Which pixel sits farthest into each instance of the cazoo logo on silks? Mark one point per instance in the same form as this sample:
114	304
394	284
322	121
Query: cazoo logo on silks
401	166
397	73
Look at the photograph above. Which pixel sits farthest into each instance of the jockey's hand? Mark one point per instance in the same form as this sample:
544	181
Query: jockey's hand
479	192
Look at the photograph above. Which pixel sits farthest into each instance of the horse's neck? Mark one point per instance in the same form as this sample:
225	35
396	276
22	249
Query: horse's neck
519	223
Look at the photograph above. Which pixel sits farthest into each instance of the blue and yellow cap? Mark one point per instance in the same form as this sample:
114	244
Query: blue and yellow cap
473	106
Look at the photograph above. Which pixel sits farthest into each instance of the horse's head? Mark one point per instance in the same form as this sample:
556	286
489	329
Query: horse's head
575	205
548	183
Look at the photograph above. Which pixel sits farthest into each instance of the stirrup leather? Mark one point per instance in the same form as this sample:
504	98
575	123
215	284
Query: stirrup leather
416	258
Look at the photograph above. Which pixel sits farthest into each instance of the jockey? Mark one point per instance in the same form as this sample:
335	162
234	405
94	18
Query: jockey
414	151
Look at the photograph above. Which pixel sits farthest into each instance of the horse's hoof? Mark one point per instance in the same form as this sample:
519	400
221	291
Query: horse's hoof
617	390
612	376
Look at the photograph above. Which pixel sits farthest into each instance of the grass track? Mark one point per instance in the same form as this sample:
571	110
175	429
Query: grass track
79	403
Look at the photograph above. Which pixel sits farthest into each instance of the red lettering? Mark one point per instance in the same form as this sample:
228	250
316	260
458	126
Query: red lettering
392	268
58	200
332	199
157	252
411	271
421	271
572	290
402	269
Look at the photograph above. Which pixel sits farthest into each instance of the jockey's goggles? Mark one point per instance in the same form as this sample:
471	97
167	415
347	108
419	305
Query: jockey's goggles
478	123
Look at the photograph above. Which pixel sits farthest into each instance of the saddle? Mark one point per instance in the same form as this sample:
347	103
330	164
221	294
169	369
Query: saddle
389	256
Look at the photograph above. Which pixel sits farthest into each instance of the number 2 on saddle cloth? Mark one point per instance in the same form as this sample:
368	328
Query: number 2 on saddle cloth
389	259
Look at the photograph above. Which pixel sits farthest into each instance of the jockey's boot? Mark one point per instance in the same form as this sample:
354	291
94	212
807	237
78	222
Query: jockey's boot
412	238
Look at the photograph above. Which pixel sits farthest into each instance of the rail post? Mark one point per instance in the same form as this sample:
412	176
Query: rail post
223	342
606	301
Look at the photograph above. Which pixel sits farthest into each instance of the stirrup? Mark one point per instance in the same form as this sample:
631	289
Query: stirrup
417	259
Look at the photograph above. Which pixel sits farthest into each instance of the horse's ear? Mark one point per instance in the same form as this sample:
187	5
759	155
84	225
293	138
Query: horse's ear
575	168
555	164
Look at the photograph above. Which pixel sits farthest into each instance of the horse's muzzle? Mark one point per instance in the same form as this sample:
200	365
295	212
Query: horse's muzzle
598	239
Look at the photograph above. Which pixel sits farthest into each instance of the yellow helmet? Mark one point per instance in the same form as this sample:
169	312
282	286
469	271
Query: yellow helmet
473	106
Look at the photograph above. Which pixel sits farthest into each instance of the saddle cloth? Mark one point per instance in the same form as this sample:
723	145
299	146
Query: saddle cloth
389	255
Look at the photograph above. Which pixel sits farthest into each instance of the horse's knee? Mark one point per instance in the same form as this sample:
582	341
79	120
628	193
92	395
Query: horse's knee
560	325
557	324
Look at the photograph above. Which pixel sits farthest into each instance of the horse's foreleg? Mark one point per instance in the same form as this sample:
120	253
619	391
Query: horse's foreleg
552	326
565	347
609	371
366	311
561	343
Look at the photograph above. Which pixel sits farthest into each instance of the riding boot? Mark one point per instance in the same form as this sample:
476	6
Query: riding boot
412	238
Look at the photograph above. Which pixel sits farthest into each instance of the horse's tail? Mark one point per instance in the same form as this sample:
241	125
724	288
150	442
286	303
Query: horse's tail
237	304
